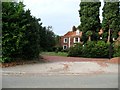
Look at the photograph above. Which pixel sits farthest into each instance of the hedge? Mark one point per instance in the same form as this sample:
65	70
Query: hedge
91	49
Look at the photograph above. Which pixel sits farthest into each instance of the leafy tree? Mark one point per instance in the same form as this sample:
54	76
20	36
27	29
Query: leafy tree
111	22
89	34
20	32
89	17
57	39
47	38
12	30
31	49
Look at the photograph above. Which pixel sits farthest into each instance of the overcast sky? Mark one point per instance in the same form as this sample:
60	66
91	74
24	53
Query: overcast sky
60	14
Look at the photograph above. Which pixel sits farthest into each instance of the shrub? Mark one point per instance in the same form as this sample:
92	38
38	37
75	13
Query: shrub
91	49
101	50
116	51
20	33
87	50
75	51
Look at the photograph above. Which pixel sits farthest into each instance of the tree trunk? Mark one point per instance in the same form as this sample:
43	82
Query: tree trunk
108	36
89	38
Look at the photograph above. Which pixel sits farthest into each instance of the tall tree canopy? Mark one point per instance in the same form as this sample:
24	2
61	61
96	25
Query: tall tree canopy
89	17
22	33
111	19
47	41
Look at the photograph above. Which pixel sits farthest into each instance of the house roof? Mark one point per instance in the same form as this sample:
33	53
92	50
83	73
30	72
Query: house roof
72	33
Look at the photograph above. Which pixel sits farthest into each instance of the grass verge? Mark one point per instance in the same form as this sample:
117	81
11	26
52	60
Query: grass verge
55	54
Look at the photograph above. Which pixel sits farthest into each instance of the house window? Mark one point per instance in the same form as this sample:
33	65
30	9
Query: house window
65	40
76	40
64	47
77	32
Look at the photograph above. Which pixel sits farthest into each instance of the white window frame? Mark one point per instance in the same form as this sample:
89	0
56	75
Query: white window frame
64	47
77	32
65	40
76	41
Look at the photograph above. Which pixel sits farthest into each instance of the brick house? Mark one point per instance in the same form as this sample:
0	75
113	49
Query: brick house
70	38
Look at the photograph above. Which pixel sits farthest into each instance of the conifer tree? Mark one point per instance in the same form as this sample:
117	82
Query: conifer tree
89	17
111	20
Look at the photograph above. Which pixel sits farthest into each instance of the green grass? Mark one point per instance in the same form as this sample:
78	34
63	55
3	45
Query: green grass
55	54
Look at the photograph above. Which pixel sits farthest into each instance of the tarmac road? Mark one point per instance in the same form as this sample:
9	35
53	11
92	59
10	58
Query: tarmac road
61	81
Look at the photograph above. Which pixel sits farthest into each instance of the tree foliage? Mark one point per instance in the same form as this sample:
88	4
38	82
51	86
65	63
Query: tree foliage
111	18
22	34
93	49
89	17
47	41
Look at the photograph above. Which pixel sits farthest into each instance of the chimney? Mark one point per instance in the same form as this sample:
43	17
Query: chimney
74	28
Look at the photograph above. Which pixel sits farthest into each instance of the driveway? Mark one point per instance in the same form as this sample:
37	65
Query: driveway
62	72
64	65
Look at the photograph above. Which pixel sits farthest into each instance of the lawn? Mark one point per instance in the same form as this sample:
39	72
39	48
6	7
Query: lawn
55	54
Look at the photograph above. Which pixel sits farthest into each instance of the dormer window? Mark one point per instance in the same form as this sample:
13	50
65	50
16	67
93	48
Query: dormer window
65	40
77	32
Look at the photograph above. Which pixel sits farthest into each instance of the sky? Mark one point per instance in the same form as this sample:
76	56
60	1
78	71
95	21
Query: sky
62	15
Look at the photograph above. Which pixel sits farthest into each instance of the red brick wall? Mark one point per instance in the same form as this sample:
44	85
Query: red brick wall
71	41
62	41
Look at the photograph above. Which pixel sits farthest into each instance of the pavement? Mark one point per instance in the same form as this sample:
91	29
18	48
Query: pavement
62	73
66	68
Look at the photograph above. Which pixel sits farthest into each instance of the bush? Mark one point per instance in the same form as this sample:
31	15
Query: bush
91	49
20	34
101	50
65	50
75	51
87	50
116	51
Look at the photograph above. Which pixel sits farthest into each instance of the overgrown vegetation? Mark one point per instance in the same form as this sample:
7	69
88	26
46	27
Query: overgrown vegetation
89	17
98	43
75	51
111	19
22	34
93	49
116	51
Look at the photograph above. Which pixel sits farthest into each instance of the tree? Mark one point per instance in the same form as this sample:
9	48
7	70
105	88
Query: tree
89	34
89	17
47	38
12	30
20	32
110	23
31	49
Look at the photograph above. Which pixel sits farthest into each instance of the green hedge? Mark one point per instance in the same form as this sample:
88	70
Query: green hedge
91	49
75	51
116	51
20	33
88	50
